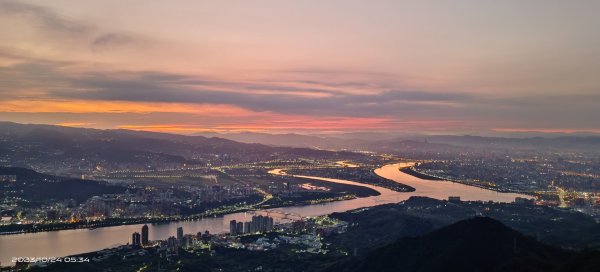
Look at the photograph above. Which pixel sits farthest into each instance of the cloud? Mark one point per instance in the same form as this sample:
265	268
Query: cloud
156	87
63	33
146	90
288	99
43	17
107	41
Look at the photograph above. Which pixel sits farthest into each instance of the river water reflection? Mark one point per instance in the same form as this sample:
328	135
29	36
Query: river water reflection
70	242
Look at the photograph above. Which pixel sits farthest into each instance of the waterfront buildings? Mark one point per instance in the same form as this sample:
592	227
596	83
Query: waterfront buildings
172	244
180	234
136	239
233	227
145	233
240	227
259	224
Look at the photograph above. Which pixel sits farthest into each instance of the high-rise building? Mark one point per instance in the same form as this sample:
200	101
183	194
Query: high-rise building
136	239
232	227
263	223
269	223
186	241
251	227
180	234
256	222
247	227
145	233
239	228
172	244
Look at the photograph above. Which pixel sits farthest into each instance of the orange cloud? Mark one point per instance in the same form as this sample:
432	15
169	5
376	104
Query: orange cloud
203	117
75	124
180	129
84	106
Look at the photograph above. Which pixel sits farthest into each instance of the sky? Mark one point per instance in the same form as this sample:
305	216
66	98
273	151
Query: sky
302	66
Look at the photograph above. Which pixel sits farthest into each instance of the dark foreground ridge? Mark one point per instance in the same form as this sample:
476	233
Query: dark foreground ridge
477	244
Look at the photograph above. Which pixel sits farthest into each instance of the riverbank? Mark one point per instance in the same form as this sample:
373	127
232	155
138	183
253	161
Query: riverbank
222	211
357	174
35	228
410	170
112	222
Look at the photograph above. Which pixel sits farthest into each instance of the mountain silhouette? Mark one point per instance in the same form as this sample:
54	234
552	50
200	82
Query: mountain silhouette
477	244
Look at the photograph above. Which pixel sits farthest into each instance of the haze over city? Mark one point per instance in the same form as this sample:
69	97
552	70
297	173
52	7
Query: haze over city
302	66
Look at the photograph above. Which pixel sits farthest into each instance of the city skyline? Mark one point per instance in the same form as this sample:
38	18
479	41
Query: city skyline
314	66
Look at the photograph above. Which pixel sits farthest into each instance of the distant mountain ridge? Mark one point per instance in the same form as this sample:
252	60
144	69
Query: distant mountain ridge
387	142
289	139
46	145
59	135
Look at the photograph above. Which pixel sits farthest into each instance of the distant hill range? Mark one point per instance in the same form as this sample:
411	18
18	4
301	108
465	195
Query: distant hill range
477	244
290	139
48	148
24	145
387	142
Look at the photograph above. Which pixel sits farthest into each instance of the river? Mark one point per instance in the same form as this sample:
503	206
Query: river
71	242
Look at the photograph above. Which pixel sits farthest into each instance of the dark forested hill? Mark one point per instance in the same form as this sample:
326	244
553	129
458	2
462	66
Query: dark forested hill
34	188
477	244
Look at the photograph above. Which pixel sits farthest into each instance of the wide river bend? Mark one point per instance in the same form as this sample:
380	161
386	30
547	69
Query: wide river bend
71	242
